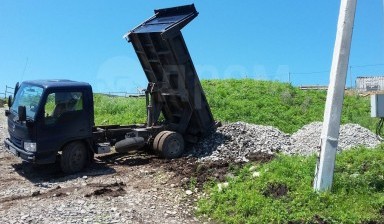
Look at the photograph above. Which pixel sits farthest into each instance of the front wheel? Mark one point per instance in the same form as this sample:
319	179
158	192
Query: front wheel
74	157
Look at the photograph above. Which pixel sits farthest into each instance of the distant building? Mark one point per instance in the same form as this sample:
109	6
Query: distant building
370	84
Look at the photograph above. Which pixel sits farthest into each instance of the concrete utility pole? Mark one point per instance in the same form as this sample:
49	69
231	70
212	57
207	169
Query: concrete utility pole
335	96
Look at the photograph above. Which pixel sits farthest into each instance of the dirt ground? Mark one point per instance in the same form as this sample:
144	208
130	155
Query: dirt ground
137	188
129	188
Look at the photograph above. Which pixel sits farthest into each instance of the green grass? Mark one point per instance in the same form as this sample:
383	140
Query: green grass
278	104
119	110
261	102
357	195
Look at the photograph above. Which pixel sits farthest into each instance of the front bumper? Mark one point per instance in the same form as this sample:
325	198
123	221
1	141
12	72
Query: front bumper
19	152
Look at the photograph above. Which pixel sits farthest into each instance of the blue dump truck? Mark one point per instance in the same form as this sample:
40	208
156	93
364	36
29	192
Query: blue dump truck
53	120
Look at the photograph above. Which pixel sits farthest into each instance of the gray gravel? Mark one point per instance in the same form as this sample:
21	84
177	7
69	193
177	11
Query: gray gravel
237	141
306	141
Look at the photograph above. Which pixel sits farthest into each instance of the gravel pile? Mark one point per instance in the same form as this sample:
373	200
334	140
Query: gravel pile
306	140
238	141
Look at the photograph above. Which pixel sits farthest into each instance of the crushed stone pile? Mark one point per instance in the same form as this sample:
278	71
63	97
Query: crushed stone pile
306	141
238	142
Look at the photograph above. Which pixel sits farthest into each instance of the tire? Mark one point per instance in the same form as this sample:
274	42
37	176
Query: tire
156	141
74	157
171	145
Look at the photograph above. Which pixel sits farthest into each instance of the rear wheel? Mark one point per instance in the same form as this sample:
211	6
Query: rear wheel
156	141
74	157
170	144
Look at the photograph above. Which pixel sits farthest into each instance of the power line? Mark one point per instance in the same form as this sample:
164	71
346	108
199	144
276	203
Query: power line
361	66
291	75
25	68
325	71
308	73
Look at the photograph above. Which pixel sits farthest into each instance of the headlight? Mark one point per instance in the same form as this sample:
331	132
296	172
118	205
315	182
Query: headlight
30	146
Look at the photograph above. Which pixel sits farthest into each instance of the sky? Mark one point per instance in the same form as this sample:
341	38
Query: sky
288	41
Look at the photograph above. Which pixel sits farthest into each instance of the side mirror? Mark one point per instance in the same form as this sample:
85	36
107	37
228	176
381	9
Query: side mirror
22	111
9	101
7	113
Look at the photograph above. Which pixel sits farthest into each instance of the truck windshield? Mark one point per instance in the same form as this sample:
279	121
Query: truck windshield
28	96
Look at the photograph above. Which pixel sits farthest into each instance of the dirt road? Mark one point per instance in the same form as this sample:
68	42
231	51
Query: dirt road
116	189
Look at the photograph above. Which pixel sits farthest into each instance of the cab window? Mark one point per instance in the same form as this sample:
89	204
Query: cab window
58	103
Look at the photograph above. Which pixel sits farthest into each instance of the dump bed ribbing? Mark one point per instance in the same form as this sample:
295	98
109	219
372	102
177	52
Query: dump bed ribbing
173	81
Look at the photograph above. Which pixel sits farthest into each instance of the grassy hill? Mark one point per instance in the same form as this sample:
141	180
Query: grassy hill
261	102
118	110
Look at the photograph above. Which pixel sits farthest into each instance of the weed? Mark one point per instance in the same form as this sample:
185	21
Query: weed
192	183
286	97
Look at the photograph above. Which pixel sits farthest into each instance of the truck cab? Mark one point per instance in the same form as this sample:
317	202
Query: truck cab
48	117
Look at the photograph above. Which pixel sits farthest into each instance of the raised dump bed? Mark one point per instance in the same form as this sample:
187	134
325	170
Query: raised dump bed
174	87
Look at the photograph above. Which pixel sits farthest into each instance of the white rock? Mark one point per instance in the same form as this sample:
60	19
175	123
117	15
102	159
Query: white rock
189	192
252	168
221	186
255	174
80	201
25	216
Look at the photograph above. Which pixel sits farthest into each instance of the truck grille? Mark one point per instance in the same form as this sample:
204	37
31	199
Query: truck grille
16	141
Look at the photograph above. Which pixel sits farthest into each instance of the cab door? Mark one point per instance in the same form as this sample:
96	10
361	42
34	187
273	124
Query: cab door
64	120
